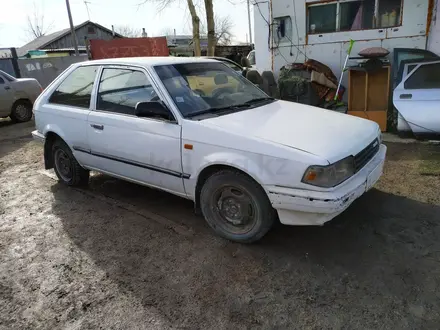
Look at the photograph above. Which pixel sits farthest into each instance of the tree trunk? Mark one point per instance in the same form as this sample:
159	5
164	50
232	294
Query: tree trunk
211	27
195	27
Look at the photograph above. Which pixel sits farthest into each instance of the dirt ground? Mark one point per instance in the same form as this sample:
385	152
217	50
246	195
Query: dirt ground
122	256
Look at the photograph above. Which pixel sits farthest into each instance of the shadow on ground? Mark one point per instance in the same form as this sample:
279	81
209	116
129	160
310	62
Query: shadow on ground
375	266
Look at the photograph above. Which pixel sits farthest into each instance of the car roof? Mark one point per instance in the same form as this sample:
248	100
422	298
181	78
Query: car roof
148	61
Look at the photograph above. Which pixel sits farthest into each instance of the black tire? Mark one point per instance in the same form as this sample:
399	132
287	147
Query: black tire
249	198
21	111
67	167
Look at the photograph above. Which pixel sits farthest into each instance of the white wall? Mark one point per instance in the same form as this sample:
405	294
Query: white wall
330	48
261	35
434	34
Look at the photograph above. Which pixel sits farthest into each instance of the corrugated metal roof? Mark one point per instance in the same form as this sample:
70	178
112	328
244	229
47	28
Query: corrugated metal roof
43	41
40	41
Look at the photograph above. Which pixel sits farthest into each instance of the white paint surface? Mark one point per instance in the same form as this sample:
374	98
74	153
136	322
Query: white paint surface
330	48
434	34
273	143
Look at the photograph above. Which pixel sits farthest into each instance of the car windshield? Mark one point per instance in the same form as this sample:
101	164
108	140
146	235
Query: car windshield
209	87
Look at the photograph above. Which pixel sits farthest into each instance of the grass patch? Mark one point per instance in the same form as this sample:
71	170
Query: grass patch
430	163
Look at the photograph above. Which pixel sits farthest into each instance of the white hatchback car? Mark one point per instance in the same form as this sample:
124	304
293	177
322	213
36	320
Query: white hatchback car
244	158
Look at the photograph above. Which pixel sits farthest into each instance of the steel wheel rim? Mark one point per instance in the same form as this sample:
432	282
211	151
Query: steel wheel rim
235	209
63	164
21	111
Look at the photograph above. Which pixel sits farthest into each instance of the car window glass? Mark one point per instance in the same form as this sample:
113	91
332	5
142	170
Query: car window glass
8	77
199	87
76	89
232	66
1	81
121	89
427	76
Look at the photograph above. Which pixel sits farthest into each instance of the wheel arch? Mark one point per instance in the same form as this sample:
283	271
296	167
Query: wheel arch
50	138
211	169
20	100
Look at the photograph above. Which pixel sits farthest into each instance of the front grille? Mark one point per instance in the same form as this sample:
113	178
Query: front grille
362	158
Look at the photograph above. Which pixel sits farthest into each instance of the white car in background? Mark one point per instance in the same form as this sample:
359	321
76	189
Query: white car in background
17	97
245	159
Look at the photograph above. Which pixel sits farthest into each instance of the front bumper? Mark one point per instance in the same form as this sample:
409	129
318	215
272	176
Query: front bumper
38	136
306	207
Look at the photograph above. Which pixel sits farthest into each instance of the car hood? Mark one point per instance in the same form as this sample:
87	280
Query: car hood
325	133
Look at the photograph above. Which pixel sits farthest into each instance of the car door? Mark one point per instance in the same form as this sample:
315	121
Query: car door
6	97
145	150
66	110
417	97
405	54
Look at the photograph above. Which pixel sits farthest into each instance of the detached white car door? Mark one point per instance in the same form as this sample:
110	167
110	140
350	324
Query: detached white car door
145	150
417	97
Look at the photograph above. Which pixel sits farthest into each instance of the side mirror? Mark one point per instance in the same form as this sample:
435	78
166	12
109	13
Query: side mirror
152	109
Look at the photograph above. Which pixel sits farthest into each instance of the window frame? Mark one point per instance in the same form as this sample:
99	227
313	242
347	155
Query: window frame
7	76
53	88
276	23
338	22
156	88
413	71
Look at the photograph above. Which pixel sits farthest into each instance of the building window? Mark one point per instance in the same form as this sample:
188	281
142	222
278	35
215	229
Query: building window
91	30
282	27
352	15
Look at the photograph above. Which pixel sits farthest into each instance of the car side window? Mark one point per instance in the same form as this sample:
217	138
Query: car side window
1	81
121	89
427	76
76	89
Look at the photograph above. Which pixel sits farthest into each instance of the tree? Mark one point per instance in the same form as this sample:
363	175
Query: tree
195	20
223	30
195	28
128	31
210	24
36	23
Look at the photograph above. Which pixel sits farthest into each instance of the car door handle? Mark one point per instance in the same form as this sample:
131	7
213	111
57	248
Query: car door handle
96	126
7	87
406	96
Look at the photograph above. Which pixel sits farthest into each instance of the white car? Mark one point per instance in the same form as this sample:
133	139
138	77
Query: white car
244	158
17	97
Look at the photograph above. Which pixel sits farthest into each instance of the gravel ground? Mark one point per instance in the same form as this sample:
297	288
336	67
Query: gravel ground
122	256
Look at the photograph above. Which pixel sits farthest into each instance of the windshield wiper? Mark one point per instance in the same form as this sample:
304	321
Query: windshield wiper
260	99
217	109
232	107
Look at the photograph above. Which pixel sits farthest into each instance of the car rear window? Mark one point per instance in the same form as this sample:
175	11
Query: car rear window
76	89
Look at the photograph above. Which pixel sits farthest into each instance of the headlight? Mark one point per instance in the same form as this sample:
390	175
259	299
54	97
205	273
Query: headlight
330	175
379	137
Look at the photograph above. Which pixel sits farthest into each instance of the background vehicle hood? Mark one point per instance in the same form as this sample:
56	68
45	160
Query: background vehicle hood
325	133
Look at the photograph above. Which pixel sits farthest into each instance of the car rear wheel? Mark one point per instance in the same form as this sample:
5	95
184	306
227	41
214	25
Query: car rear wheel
236	207
66	166
21	111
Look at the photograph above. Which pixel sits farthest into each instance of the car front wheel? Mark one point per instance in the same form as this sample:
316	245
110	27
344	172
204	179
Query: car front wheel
236	207
66	166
